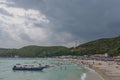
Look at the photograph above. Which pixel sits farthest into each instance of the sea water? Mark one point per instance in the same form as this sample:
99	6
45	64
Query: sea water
61	70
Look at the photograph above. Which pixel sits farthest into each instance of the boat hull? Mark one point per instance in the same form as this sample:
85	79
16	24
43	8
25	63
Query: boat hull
29	69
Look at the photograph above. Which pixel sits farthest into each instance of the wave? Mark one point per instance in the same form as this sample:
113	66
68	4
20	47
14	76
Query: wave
83	76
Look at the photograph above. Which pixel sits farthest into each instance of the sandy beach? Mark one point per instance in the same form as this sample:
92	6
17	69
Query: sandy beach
100	70
92	75
108	72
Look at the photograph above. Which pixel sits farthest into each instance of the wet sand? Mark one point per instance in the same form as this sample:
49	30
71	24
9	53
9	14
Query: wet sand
109	75
92	75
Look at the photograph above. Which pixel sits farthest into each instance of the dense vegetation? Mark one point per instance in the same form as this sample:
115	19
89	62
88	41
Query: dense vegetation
7	52
101	46
35	51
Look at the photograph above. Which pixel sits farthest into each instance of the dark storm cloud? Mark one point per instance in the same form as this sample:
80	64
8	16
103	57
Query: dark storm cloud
27	4
89	19
83	19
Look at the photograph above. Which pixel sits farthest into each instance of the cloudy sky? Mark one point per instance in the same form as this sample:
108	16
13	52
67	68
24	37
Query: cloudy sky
57	22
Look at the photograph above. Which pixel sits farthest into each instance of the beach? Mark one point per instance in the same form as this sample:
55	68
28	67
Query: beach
92	75
100	70
109	72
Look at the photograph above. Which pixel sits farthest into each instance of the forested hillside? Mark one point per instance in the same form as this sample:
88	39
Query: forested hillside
35	51
40	51
101	46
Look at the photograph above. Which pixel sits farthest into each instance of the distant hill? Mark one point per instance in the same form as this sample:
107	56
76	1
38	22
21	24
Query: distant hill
35	51
101	46
7	52
40	51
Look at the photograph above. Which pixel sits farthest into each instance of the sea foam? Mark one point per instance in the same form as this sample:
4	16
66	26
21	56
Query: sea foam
83	76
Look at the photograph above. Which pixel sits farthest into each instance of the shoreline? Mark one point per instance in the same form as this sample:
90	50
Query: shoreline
92	74
100	72
89	74
104	70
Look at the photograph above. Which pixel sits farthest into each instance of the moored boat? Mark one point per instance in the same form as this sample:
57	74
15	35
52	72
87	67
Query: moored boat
27	67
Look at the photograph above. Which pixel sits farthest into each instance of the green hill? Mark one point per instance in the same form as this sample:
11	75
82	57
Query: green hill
101	46
35	51
7	52
40	51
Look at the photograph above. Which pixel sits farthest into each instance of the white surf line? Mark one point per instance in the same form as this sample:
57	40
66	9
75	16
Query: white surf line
93	71
83	76
99	75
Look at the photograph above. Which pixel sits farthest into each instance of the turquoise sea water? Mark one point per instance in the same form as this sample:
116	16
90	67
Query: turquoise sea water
62	70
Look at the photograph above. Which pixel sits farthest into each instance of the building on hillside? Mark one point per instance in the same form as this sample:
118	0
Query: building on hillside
101	55
16	56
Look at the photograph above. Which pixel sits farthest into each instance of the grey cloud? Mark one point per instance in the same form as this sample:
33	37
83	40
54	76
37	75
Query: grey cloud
2	11
39	25
27	4
88	19
84	19
24	36
4	36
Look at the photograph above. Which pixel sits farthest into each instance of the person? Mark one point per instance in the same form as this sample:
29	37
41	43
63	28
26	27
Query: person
14	66
47	66
39	65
